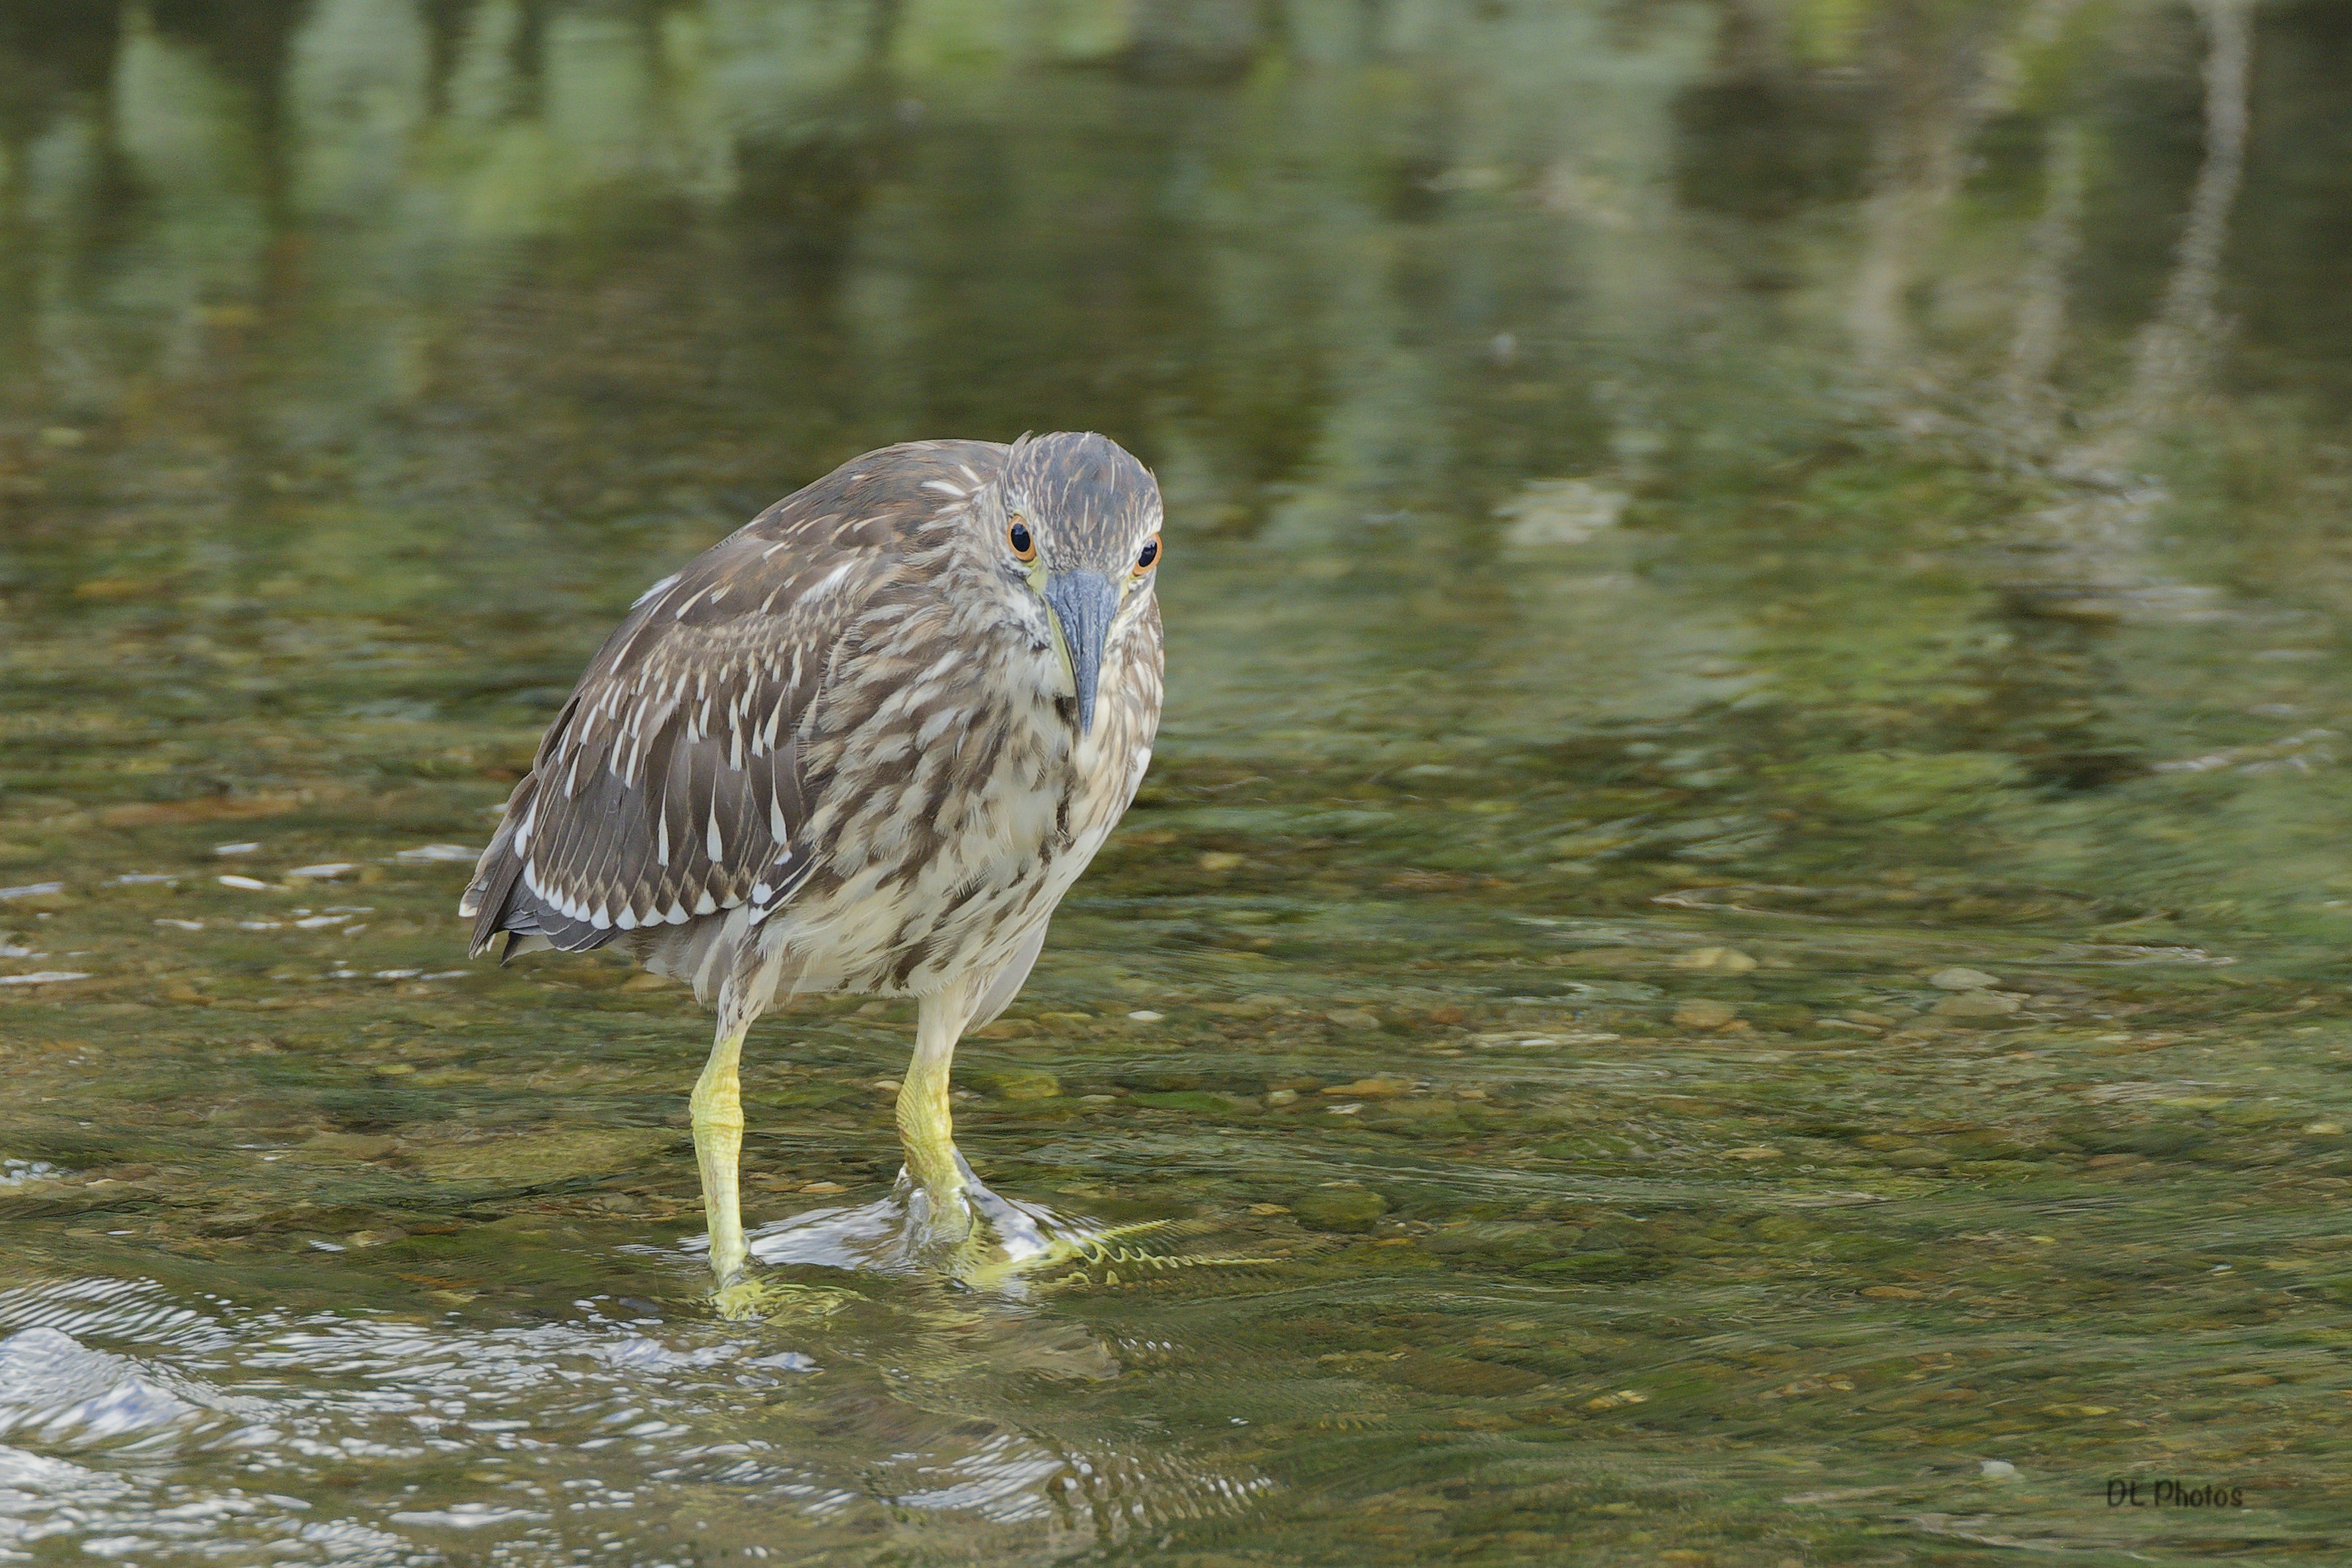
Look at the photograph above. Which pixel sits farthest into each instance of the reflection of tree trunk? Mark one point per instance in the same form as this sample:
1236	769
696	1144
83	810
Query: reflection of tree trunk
15	262
2042	311
1916	170
2173	350
1945	84
2099	541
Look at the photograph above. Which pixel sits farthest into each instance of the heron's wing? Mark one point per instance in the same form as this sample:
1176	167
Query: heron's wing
672	785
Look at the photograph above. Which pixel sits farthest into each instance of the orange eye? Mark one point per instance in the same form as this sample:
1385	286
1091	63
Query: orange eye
1016	535
1149	556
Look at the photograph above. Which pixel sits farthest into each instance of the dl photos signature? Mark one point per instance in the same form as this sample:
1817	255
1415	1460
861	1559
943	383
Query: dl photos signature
2173	1494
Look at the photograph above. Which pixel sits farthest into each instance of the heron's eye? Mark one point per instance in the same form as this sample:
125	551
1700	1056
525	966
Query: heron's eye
1016	535
1150	556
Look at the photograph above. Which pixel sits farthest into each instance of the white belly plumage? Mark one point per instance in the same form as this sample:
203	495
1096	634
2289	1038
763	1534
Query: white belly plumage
966	910
902	906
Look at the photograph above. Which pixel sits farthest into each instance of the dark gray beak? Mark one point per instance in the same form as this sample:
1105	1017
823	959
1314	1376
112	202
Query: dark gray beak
1083	603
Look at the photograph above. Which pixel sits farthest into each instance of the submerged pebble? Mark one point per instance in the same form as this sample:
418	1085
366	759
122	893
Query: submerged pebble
1025	1084
1978	1005
1725	960
1339	1207
432	853
1369	1089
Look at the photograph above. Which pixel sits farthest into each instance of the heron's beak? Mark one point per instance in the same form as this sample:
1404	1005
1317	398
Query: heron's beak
1082	604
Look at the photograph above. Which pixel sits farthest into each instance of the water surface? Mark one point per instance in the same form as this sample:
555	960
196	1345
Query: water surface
1732	954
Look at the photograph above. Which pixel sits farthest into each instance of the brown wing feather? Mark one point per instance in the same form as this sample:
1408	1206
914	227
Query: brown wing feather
672	784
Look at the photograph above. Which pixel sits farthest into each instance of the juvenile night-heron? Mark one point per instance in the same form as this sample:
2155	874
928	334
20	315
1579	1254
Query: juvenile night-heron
864	743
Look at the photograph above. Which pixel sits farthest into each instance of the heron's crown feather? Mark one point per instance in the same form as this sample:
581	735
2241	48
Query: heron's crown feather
1089	495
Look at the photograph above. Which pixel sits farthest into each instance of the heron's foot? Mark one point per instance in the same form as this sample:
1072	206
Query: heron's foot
955	1224
970	1237
1055	1249
940	1220
729	1253
1012	1244
760	1298
946	1206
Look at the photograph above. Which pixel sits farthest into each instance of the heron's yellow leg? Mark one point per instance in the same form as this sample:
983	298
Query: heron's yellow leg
926	1128
718	1108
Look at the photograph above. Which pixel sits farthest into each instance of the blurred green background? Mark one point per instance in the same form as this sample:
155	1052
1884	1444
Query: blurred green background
1733	945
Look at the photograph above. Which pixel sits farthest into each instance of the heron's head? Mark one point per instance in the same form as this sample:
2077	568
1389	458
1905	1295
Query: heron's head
1081	532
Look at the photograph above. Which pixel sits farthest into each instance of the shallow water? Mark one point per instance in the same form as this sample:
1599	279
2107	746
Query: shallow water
1731	955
